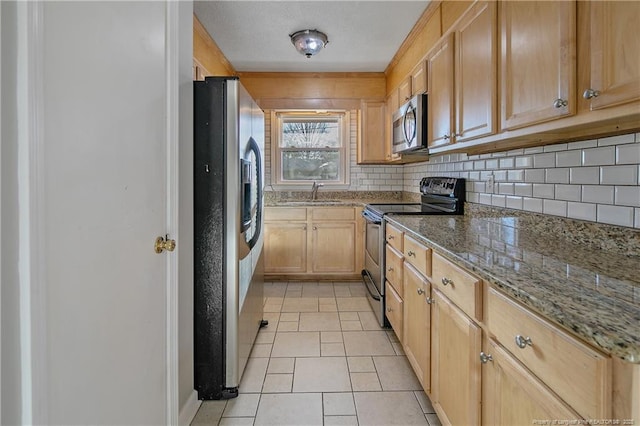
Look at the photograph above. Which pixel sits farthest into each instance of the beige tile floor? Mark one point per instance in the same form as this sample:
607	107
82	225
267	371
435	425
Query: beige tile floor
323	360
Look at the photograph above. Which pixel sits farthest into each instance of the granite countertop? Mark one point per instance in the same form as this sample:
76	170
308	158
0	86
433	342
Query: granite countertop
584	277
333	198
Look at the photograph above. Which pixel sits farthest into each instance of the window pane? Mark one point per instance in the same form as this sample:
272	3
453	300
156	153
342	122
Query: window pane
311	165
306	133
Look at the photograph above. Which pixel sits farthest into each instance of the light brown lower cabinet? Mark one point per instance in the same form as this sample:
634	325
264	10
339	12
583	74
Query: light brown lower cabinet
512	395
455	364
417	324
317	241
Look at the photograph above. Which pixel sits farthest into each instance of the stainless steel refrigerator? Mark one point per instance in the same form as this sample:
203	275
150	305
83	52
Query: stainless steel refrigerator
228	223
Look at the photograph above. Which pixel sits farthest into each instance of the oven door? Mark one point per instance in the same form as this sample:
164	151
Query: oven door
373	264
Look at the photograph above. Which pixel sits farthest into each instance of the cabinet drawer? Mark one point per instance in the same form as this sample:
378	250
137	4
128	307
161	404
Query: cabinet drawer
393	269
394	237
458	285
394	310
580	375
417	255
285	213
333	213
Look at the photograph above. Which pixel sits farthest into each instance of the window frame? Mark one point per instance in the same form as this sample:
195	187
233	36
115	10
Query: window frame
277	119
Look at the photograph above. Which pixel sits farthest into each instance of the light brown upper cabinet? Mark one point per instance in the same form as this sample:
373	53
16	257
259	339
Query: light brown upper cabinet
476	61
615	54
419	79
440	110
373	144
538	52
462	79
404	90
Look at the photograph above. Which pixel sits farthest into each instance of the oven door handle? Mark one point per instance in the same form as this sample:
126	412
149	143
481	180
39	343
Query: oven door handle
370	217
368	281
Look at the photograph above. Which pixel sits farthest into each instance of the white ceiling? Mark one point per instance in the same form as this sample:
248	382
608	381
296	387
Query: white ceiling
363	35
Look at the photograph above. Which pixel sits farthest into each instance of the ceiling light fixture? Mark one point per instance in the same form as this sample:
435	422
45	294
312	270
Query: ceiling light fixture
309	42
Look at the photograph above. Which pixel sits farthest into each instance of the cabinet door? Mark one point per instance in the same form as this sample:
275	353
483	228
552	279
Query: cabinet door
440	111
538	45
404	90
476	69
455	365
417	324
372	148
393	103
333	247
285	247
615	53
513	396
419	79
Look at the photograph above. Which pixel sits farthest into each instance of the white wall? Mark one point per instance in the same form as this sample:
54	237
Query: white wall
596	180
10	371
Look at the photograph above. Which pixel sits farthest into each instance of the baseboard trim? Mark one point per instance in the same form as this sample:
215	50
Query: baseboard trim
189	410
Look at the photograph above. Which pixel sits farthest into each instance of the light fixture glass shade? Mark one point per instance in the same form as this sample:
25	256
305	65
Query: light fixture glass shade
309	42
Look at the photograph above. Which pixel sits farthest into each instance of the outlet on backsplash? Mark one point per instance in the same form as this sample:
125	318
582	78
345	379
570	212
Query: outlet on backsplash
490	184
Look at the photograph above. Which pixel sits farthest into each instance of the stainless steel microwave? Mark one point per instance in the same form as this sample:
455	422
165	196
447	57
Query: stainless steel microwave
410	126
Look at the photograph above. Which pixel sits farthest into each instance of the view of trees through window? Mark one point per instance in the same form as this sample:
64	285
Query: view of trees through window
311	149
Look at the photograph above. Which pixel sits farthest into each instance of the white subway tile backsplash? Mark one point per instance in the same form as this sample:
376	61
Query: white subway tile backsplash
523	189
568	192
628	154
554	207
534	176
485	199
515	175
599	156
599	194
568	158
543	190
555	147
524	162
617	140
583	144
544	160
619	175
507	163
532	204
595	180
615	215
514	202
506	188
557	175
627	196
584	175
499	200
581	211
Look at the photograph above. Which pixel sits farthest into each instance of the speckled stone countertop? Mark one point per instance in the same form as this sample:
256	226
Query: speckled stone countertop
335	198
583	276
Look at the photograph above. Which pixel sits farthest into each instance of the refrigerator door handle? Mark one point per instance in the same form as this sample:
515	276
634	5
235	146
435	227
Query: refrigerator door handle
255	148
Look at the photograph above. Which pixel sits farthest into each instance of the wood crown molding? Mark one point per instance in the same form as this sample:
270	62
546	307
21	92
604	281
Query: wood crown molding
413	34
199	29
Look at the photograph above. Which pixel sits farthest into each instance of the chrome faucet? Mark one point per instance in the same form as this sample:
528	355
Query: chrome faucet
314	189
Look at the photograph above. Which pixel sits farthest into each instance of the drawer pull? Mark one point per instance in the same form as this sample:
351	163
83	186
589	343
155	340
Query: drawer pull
484	358
430	300
523	342
446	281
389	310
420	291
390	269
410	253
391	237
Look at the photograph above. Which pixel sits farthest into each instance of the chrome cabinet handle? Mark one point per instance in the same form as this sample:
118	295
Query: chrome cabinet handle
523	342
560	103
591	93
484	358
430	300
446	281
445	136
420	291
410	253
